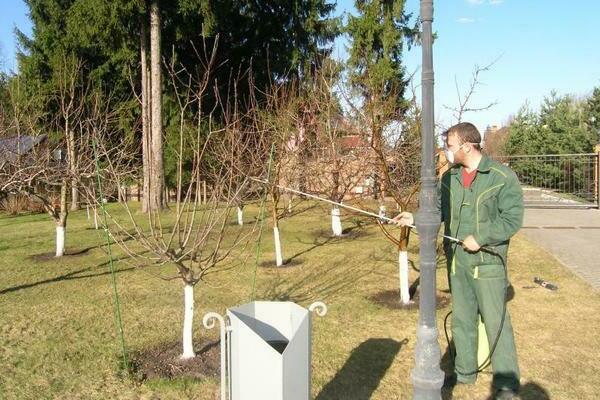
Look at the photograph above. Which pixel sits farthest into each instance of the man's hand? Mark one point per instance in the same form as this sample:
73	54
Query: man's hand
404	218
470	244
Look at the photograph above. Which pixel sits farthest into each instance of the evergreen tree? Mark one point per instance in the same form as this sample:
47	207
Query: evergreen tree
377	36
593	113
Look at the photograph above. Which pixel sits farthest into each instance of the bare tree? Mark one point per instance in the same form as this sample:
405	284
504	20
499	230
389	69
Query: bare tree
279	124
197	239
32	163
465	99
394	138
70	96
339	155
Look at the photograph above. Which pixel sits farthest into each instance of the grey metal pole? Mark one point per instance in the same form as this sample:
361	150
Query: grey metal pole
427	377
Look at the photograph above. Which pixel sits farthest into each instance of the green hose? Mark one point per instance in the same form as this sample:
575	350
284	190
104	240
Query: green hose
117	308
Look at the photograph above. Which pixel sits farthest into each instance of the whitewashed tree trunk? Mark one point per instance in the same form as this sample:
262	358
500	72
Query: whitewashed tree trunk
336	222
403	274
60	219
95	217
240	215
188	320
278	256
87	211
382	213
60	241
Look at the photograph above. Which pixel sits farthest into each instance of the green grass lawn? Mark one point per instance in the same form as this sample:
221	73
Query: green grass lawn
58	337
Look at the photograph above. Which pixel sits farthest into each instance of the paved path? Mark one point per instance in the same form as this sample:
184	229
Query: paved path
572	235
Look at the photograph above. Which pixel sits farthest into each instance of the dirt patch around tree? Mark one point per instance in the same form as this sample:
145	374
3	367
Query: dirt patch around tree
49	256
391	299
163	362
347	233
289	263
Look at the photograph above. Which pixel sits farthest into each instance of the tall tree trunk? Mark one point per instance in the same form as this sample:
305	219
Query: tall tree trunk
157	171
146	132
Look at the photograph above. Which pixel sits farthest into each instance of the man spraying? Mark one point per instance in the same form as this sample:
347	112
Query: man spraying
481	203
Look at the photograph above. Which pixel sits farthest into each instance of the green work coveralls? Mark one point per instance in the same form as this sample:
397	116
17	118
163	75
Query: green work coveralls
492	211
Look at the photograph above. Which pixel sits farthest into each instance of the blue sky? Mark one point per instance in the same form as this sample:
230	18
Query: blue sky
540	45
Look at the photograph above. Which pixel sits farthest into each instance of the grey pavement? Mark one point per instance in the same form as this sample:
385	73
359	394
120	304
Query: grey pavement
572	235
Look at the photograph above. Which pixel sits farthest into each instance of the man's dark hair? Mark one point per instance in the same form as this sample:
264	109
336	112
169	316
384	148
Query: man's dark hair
467	133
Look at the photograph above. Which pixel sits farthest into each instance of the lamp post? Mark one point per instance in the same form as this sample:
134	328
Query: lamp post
427	377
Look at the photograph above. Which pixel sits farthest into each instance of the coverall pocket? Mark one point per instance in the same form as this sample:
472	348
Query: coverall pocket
490	271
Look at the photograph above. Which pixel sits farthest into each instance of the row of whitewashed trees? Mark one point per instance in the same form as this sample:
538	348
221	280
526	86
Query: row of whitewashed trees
307	136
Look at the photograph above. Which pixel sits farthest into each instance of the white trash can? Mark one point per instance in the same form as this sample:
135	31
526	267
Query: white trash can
269	350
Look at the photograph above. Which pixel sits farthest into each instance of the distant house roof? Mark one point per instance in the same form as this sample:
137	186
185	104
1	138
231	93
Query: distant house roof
13	147
352	142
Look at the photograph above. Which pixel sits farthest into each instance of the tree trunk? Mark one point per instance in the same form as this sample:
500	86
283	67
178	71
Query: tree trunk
403	274
157	171
96	217
188	320
61	221
382	213
74	195
72	161
278	256
336	223
60	240
240	215
146	132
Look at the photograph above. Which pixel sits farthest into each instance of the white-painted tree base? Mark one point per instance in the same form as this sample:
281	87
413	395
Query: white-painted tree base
60	241
240	216
95	218
278	256
188	320
403	274
336	222
382	213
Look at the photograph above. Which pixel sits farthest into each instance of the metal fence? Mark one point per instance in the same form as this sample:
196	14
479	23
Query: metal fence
557	180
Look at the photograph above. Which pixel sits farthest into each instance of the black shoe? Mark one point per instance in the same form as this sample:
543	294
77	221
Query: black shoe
505	394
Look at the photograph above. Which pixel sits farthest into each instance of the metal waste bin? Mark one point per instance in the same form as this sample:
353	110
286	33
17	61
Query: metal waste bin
268	350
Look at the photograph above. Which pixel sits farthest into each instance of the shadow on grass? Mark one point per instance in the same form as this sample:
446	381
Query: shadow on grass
362	372
312	284
533	391
315	244
66	277
322	239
